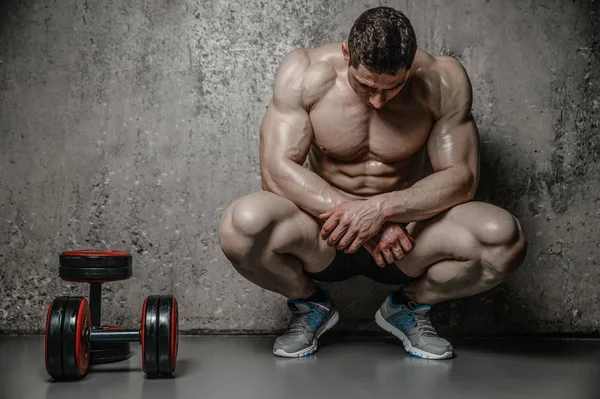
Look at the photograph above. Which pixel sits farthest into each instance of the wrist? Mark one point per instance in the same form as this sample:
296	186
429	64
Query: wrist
382	203
391	207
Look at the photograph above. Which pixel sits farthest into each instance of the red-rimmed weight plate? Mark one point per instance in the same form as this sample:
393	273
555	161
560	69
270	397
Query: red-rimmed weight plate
174	334
93	266
159	336
67	349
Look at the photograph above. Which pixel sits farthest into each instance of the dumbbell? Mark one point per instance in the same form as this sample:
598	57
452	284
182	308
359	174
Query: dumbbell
71	334
96	268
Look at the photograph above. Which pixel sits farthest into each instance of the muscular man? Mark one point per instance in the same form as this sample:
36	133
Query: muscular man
365	114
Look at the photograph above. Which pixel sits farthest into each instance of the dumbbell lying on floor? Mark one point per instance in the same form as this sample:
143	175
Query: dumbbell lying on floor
73	323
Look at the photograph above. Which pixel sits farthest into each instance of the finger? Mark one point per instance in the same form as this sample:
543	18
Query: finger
347	239
373	249
411	238
337	234
389	257
329	226
405	243
378	258
327	214
397	251
358	241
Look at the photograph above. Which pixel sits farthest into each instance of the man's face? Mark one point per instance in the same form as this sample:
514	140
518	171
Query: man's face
376	89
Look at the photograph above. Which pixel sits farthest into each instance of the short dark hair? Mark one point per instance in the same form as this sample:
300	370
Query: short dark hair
383	40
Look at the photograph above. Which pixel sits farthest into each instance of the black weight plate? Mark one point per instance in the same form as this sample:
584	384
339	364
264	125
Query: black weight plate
164	336
94	274
75	348
150	319
53	337
110	352
95	259
95	266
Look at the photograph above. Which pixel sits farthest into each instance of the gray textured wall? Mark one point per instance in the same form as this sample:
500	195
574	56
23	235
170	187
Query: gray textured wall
133	125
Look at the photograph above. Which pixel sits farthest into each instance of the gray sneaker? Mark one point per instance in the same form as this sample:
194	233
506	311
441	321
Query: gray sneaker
309	321
410	323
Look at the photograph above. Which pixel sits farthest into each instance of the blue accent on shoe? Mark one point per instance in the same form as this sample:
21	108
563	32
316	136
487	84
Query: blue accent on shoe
317	317
403	320
420	307
392	304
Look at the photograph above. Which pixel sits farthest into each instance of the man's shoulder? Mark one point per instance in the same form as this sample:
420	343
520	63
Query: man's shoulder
311	70
434	70
439	79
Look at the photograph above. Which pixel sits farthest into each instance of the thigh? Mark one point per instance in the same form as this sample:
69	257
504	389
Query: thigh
283	227
459	233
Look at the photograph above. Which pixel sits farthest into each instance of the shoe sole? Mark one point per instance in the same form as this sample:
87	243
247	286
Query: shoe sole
313	347
381	322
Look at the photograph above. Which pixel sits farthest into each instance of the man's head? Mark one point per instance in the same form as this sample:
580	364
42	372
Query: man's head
380	51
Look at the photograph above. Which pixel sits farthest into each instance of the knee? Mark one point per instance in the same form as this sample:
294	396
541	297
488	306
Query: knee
504	245
241	224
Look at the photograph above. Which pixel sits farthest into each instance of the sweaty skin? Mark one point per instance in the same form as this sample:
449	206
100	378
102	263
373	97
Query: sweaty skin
342	156
356	151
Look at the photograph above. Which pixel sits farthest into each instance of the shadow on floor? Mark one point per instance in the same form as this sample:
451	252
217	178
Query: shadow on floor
529	346
555	348
183	367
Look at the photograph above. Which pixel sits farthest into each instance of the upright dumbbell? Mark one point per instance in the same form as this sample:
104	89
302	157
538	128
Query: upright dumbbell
96	268
69	335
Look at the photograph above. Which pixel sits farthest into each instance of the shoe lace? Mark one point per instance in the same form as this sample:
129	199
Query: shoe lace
297	324
316	317
406	319
424	324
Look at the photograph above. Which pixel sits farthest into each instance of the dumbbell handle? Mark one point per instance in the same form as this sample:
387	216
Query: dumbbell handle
114	335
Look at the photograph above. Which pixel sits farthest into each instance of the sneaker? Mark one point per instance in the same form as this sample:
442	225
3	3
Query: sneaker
309	321
410	323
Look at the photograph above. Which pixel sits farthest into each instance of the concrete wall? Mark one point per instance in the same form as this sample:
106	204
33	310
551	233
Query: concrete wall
133	125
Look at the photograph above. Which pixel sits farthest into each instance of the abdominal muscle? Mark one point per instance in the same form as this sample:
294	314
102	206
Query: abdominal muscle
368	177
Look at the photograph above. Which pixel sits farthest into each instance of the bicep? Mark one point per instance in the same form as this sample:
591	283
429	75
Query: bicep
285	133
454	142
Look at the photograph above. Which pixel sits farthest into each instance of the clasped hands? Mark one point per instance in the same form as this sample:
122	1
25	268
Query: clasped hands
352	224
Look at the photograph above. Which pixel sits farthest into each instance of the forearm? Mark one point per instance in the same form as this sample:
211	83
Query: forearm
303	187
429	196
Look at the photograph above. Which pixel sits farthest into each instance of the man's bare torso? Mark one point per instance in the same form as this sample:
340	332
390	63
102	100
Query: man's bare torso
362	151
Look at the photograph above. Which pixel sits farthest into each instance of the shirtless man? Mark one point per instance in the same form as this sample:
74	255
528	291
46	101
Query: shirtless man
364	114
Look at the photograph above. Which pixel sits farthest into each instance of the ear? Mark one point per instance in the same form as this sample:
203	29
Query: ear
346	52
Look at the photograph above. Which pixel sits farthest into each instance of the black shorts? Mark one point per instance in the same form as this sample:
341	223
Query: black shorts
360	263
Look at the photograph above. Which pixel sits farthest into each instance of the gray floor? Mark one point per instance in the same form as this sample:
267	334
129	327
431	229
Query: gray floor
235	367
